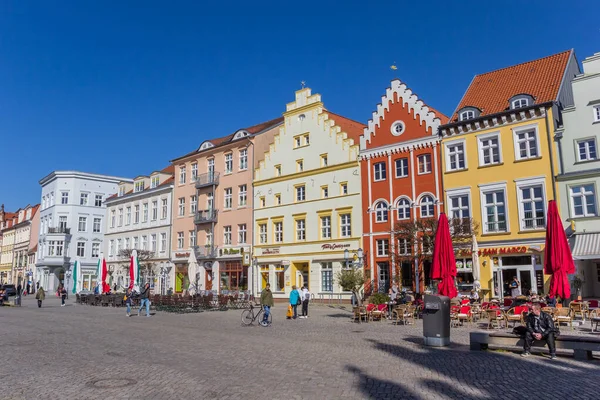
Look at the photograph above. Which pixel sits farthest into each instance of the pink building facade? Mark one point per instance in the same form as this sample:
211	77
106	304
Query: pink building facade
213	210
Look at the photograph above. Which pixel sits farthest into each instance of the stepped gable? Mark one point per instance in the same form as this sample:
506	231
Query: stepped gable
399	91
490	92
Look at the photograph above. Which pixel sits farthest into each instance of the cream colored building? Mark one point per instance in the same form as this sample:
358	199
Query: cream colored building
308	206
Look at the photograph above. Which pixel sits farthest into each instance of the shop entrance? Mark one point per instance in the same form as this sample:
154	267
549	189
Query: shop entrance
302	275
509	267
383	277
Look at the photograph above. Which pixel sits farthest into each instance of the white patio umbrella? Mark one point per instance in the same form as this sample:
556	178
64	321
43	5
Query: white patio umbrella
475	258
192	273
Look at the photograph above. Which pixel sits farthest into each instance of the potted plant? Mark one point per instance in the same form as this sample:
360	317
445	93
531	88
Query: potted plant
578	285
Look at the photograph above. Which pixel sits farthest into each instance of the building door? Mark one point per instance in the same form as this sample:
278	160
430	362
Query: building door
526	281
383	277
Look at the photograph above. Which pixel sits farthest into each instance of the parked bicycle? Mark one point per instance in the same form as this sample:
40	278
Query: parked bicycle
249	315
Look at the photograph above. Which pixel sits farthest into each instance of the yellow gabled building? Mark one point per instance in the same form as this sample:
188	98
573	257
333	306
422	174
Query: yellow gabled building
499	164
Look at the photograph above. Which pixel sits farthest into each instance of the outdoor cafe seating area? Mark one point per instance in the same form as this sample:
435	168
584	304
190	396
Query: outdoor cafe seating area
175	303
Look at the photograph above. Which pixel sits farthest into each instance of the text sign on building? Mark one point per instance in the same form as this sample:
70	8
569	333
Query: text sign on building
334	246
496	250
270	250
182	255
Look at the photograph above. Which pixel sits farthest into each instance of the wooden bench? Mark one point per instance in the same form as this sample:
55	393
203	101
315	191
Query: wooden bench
582	346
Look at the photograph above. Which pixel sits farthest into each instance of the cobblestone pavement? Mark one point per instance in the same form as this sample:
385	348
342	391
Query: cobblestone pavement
83	352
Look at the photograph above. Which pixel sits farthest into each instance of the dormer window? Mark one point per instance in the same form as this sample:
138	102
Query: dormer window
467	113
520	101
206	145
121	191
240	134
139	186
155	181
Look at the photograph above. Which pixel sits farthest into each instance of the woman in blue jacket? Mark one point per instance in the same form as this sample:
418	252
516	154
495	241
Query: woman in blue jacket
294	298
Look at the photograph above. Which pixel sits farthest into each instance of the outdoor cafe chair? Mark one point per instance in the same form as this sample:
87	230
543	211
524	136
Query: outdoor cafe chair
360	313
563	315
465	314
495	318
578	308
595	319
592	304
549	310
517	314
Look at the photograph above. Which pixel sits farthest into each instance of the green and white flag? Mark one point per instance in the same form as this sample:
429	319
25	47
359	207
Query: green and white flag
75	277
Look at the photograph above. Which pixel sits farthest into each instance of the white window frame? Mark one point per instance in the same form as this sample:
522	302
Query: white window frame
163	242
194	172
98	200
154	210
480	154
242	234
227	239
84	199
262	233
97	223
586	142
325	227
403	167
278	231
527	183
467	114
182	174
424	156
380	174
64	197
243	159
596	111
584	202
95	250
242	195
516	106
180	240
192	240
404	244
145	212
128	215
228	198
409	207
449	155
301	229
80	246
493	187
165	208
381	210
154	181
193	204
347	225
423	196
383	247
111	248
228	163
181	206
144	244
458	192
300	193
79	224
136	214
524	129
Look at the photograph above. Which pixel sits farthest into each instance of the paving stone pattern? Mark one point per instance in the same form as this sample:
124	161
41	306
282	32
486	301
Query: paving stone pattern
83	352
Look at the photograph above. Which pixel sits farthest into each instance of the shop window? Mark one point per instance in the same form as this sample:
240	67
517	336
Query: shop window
234	276
279	278
264	273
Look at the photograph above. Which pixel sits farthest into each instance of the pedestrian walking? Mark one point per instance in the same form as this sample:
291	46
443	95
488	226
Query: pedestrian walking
266	300
28	288
127	299
295	301
40	296
63	295
305	297
19	293
144	296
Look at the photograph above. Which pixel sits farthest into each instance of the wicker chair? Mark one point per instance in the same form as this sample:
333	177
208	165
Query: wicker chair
495	318
517	314
578	308
595	319
359	313
465	314
563	315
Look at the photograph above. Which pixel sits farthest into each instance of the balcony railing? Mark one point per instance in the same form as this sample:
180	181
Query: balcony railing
61	229
206	252
207	179
534	223
205	216
498	226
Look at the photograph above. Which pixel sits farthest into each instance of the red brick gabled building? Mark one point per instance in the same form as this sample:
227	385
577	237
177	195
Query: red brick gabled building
401	181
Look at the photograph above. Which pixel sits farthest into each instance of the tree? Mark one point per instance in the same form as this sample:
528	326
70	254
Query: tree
351	280
144	258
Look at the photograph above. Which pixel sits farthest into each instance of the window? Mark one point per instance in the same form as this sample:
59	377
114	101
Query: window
82	227
382	247
278	199
243	159
532	207
306	140
489	150
155	181
136	242
180	239
326	227
324	192
98	200
95	250
128	216
127	243
587	149
121	190
526	144
119	246
227	235
300	193
343	189
112	218
278	231
279	278
459	206
242	234
51	198
299	166
181	210
111	248
120	217
139	186
163	242
495	211
456	156
194	176
397	128
427	207
469	114
403	209
64	198
327	277
193	204
182	173
424	161
278	170
404	247
163	214
262	229
59	247
345	225
297	142
324	160
145	212
80	249
300	230
262	201
145	242
154	210
228	163
242	195
381	212
192	240
380	172
596	113
401	167
583	199
228	198
83	199
301	140
520	103
136	214
97	225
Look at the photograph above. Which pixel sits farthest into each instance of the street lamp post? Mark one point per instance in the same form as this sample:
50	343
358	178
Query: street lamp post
354	262
254	273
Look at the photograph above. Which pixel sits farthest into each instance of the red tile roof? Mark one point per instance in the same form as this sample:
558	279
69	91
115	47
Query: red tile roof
443	117
490	92
353	128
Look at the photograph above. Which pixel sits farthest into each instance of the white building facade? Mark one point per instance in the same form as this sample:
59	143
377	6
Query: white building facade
307	201
139	217
72	215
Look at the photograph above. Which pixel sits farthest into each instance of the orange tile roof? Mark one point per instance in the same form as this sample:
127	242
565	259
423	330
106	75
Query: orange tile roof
353	128
490	92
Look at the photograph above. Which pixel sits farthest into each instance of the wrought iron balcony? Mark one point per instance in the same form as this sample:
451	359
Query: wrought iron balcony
205	216
206	252
207	179
60	230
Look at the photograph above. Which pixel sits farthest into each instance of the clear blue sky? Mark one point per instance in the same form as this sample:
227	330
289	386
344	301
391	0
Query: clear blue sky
121	88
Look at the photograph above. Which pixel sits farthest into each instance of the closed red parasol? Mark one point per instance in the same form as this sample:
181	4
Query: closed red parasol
444	263
558	260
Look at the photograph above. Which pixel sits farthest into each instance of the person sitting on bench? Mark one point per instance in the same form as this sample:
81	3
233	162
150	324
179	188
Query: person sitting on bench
539	327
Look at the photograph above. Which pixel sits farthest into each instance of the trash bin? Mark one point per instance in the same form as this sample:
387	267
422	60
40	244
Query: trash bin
436	320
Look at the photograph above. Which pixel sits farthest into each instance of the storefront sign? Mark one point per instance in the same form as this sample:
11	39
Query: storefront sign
334	246
496	250
285	262
270	250
230	252
182	255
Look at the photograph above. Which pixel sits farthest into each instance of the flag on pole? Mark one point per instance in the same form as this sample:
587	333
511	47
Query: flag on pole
99	275
75	277
105	287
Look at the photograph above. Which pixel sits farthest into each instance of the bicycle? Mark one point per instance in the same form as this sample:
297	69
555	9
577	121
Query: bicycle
248	316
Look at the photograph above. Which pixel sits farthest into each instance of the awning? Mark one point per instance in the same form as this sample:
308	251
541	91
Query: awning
587	246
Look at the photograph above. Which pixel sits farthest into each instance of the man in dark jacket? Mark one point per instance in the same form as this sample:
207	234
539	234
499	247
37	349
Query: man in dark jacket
539	327
144	296
266	300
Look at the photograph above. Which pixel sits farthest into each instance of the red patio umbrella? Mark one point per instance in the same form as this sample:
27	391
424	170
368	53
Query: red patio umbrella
444	263
558	259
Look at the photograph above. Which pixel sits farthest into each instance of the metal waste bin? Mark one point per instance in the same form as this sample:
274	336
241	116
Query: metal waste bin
436	320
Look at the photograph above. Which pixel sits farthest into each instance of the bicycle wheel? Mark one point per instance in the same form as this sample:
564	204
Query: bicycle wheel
247	317
269	318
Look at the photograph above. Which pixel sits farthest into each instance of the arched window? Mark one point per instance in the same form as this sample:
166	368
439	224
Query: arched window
427	206
404	209
381	212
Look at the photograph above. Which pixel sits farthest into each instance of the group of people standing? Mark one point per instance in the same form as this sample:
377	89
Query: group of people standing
297	298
